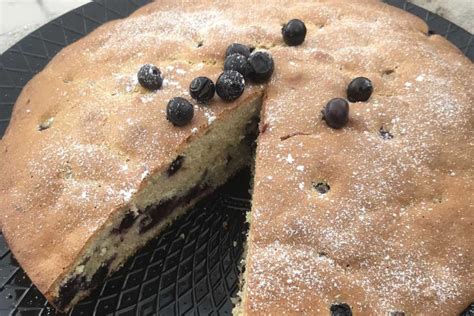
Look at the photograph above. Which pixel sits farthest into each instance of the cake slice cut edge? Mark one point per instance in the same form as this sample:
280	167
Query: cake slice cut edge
204	164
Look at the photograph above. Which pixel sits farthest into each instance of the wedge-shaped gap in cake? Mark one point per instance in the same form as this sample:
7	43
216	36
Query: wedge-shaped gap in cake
194	172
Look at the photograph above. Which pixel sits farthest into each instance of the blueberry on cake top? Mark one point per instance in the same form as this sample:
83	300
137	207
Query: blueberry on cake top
202	89
371	218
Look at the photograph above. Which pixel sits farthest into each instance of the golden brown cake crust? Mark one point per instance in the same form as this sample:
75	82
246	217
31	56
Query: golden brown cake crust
395	230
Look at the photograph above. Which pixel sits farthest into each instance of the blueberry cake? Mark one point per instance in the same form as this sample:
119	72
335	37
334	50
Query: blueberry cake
362	169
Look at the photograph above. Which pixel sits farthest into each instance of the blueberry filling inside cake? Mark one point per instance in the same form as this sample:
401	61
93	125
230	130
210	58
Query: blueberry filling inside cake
198	170
356	121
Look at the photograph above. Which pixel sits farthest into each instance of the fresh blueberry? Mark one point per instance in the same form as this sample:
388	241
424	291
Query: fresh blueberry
261	66
360	89
179	111
237	48
238	63
149	77
336	113
230	85
202	89
294	32
341	310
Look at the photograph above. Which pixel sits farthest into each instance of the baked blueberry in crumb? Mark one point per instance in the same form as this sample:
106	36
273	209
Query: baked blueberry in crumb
175	166
321	187
360	89
397	313
238	63
179	111
261	66
156	213
336	113
125	224
202	89
237	48
230	85
149	77
294	32
341	310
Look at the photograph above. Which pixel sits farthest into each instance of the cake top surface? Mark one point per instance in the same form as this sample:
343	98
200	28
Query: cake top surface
394	231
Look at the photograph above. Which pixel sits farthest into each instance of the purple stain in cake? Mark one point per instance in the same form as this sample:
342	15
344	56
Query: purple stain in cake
125	224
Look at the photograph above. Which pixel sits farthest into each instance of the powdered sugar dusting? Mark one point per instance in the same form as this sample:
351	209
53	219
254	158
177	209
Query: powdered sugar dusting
375	239
210	117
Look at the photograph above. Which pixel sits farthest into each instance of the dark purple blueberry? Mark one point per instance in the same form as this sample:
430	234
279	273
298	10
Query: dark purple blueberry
179	111
294	32
125	224
360	89
202	89
156	213
175	165
336	113
237	48
230	85
341	310
397	313
149	77
238	63
261	66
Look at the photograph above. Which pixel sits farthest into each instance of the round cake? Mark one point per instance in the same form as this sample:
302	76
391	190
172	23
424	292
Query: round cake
374	218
